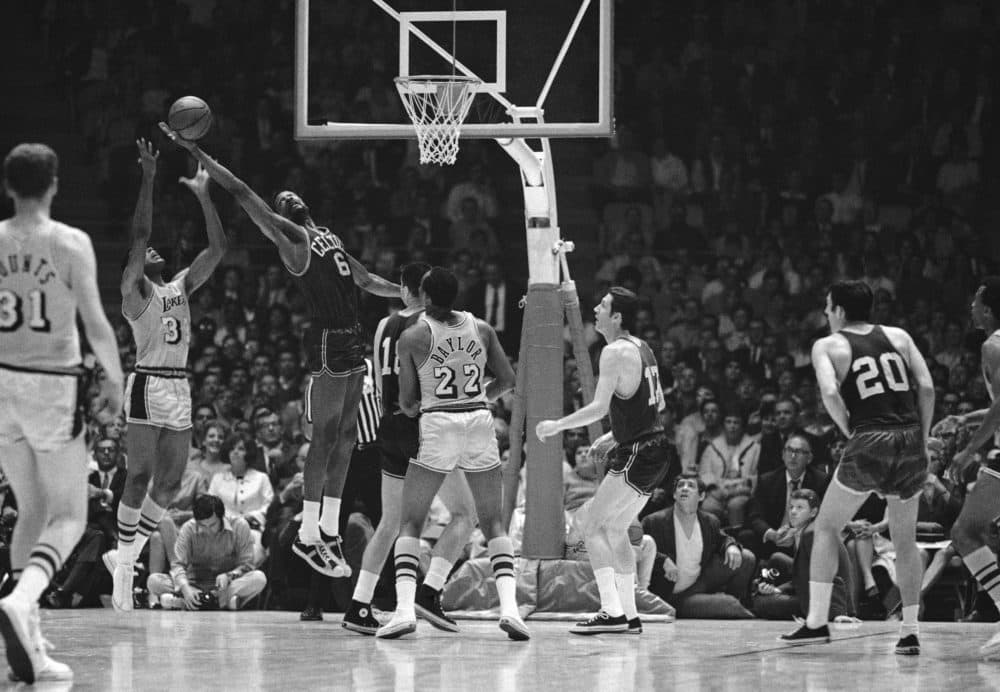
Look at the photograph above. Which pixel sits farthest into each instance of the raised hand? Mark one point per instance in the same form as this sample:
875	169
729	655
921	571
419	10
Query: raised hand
197	183
147	156
176	138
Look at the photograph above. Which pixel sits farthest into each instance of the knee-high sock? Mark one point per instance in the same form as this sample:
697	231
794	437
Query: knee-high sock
625	583
501	552
407	562
982	563
606	587
45	560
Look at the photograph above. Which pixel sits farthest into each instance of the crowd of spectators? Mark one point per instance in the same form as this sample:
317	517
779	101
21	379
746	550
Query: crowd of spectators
762	151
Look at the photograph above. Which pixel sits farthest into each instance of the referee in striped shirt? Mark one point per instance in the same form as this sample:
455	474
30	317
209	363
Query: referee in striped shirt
362	490
370	410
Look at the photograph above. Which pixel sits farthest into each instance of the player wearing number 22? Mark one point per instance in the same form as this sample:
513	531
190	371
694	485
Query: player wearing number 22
157	396
628	390
878	390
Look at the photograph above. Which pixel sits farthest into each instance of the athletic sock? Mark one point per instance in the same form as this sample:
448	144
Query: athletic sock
309	530
437	573
364	590
407	563
909	624
625	584
150	515
128	524
606	587
42	566
982	563
819	603
501	551
329	520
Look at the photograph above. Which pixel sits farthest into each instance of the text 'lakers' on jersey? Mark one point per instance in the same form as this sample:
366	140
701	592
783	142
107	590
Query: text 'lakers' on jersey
451	379
327	283
37	308
638	415
386	359
162	329
877	388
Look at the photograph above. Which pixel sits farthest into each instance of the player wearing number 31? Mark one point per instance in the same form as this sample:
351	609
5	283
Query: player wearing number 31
157	397
628	390
328	278
867	374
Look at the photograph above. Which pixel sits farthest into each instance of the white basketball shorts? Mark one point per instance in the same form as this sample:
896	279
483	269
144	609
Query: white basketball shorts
464	440
40	408
161	401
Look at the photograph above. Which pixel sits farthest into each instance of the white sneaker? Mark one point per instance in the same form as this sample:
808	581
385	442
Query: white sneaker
15	626
121	594
991	649
110	559
515	628
397	626
50	670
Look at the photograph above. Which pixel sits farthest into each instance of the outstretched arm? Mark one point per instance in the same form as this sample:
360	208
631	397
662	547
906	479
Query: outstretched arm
135	286
373	283
611	366
208	259
290	238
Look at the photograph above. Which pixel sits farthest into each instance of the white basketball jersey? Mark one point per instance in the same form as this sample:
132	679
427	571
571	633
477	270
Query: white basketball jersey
162	329
37	307
451	378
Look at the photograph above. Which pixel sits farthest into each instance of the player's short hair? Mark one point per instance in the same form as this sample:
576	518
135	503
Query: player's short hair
806	494
855	297
441	287
30	169
205	506
411	275
991	294
626	303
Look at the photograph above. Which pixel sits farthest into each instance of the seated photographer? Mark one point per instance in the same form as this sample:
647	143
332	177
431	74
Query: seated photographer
699	570
245	492
213	565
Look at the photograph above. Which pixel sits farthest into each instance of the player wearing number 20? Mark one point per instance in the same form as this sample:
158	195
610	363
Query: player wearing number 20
157	396
878	390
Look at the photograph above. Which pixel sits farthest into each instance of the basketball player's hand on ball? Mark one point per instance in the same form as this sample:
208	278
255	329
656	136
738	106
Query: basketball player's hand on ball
147	156
177	139
109	401
546	429
197	183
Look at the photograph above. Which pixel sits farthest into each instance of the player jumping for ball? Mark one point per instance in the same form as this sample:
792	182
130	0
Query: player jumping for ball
158	396
328	277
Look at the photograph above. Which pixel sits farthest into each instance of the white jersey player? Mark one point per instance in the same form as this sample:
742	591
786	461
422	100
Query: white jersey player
48	276
158	397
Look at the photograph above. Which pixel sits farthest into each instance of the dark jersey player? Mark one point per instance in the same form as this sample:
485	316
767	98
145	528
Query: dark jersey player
878	390
628	391
328	278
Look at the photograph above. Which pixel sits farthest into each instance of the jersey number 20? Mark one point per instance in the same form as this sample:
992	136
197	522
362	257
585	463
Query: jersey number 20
12	311
889	365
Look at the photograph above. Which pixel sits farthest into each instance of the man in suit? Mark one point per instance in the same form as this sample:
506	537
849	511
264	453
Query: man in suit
104	488
767	511
496	301
695	558
772	445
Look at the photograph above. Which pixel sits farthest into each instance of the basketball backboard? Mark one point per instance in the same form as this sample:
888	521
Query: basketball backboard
552	55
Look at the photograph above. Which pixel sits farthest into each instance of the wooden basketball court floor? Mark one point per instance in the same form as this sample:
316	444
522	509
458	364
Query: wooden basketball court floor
156	650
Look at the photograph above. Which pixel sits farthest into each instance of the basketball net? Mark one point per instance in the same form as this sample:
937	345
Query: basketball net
437	105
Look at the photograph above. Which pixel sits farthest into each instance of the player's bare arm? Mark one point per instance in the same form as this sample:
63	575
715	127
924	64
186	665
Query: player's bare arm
290	238
616	359
991	421
826	378
414	344
82	278
372	283
903	343
208	259
504	378
135	286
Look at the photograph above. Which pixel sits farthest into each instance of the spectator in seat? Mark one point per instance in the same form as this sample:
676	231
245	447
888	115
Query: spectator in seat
728	468
245	492
214	555
496	301
699	570
696	430
772	444
767	529
272	450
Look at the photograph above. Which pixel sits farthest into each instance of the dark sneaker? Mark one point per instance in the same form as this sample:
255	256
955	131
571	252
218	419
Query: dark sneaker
602	623
635	626
908	645
359	618
310	552
807	635
311	614
428	606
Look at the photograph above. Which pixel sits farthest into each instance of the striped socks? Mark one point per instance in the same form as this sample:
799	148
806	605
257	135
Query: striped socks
407	564
43	563
501	552
134	527
982	563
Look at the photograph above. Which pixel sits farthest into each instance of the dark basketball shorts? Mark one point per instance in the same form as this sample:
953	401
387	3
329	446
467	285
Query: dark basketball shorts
334	350
888	462
643	463
398	441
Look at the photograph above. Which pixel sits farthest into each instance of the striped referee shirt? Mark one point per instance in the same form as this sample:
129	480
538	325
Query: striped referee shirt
370	410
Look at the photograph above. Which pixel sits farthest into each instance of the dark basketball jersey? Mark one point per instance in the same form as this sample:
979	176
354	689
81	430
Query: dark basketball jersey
638	415
877	389
327	283
386	361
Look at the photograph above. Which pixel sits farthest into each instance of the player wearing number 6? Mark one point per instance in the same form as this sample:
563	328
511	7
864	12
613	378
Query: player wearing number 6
878	390
157	396
328	278
628	390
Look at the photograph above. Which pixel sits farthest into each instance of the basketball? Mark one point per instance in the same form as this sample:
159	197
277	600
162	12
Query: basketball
190	117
